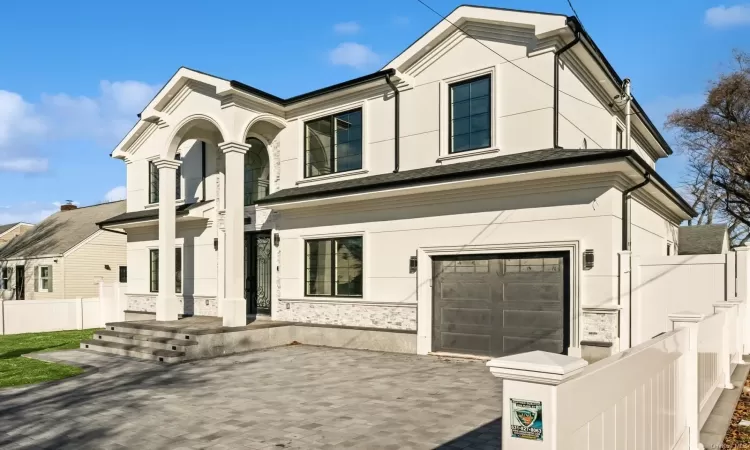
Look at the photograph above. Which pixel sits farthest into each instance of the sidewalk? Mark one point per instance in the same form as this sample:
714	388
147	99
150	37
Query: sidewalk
716	427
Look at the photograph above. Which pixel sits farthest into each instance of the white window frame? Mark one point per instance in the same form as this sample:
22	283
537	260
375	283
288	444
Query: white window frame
5	277
302	120
40	283
445	114
619	125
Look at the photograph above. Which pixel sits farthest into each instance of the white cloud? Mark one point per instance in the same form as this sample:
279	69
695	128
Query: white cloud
724	17
26	165
27	129
353	54
347	28
29	212
115	194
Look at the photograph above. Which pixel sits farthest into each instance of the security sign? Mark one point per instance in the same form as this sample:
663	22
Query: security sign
526	419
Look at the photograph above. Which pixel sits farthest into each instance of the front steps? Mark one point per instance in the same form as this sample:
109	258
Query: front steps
130	342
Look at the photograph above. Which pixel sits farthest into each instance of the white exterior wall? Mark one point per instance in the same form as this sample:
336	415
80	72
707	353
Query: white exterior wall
650	231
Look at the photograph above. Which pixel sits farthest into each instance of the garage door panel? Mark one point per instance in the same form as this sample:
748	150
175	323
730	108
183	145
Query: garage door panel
495	305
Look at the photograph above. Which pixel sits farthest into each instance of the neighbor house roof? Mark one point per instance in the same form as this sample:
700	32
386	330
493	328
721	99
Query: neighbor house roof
61	231
7	227
147	214
702	239
533	160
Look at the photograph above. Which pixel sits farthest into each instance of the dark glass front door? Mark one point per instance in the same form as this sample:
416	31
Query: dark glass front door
258	272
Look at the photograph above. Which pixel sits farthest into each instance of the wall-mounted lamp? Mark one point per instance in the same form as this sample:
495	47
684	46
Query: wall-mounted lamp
106	267
412	264
276	239
588	259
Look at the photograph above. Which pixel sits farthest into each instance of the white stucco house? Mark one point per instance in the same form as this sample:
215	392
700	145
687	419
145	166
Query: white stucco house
475	191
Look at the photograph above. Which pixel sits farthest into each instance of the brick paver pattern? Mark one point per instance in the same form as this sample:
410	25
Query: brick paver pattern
298	397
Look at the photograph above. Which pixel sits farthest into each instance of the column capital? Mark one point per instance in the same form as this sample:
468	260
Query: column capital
167	164
236	147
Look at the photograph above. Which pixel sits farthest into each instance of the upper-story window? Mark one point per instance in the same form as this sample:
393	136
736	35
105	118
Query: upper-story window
153	183
256	171
178	178
333	144
618	138
470	114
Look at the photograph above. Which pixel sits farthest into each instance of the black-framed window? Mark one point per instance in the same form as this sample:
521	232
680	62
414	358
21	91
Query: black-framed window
333	144
178	178
123	274
154	270
470	114
619	142
5	278
178	270
153	183
333	267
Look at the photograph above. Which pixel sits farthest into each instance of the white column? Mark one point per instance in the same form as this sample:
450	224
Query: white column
690	394
234	309
167	307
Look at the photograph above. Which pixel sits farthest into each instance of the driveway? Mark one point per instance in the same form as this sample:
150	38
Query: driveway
288	397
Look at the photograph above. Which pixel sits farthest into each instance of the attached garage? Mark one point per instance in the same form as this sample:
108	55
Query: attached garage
497	305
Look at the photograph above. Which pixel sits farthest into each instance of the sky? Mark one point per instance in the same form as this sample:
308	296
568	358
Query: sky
73	75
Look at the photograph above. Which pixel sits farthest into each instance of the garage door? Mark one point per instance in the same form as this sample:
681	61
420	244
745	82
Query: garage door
496	305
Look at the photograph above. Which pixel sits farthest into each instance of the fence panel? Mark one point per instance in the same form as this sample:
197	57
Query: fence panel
30	316
710	369
91	314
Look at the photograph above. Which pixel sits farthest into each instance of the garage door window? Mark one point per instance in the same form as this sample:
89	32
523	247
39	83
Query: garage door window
333	267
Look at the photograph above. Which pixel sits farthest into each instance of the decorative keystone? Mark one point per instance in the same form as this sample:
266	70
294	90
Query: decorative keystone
537	367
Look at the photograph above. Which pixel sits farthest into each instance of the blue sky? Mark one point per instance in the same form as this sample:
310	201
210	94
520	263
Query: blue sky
73	78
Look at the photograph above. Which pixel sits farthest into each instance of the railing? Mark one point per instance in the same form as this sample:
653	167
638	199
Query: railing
655	396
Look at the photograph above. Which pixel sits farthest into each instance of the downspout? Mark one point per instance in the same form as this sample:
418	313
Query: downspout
396	154
629	99
203	169
625	216
556	101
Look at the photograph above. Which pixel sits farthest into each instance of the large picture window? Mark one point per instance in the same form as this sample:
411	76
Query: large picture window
333	267
153	183
333	144
470	114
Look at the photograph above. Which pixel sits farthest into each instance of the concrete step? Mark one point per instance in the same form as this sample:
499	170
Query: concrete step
164	343
134	351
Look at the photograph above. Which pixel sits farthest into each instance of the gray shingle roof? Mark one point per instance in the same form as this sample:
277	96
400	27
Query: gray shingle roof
702	239
6	227
147	214
499	164
61	231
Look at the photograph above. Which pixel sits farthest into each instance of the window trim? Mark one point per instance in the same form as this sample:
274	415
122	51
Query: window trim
621	129
333	294
181	271
359	106
151	274
153	196
48	278
5	277
487	76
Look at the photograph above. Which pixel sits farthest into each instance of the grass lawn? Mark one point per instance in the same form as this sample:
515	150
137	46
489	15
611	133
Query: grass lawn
16	370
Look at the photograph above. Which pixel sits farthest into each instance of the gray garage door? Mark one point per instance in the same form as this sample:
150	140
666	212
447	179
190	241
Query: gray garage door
496	305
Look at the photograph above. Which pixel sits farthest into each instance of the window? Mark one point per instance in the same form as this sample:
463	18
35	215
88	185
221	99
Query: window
256	171
333	267
123	274
178	178
470	115
43	279
5	278
153	183
669	249
618	138
178	270
333	144
154	270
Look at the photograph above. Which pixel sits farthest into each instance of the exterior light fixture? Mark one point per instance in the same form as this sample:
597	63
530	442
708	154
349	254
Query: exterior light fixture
588	259
412	264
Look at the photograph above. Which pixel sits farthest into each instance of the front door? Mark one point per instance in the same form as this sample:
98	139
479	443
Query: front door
20	284
258	272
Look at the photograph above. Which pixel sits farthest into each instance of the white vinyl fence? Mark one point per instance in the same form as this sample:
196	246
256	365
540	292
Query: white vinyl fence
655	396
32	316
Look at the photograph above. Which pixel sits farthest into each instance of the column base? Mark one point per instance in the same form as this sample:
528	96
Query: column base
234	312
167	308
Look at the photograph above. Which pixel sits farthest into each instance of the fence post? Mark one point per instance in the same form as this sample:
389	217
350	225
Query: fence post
625	300
743	270
729	347
530	382
690	394
79	313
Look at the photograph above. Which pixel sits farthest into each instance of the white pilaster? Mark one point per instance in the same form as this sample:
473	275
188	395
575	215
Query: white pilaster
234	309
167	307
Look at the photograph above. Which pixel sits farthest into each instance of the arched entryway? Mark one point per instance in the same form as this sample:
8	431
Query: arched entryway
257	171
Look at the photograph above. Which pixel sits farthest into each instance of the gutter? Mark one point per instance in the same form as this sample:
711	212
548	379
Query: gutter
556	101
397	110
112	231
625	216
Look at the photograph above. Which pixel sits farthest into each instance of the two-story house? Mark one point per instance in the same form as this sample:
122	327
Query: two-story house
477	191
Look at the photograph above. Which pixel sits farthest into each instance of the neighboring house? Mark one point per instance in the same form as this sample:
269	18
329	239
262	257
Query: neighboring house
703	240
452	194
64	256
11	230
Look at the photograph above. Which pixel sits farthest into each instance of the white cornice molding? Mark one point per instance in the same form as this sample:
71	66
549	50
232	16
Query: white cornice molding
167	164
236	147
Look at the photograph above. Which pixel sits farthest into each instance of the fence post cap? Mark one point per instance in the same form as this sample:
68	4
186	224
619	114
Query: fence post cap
742	248
725	304
537	366
686	316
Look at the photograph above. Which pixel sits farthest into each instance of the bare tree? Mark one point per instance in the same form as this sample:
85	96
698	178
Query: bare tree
716	137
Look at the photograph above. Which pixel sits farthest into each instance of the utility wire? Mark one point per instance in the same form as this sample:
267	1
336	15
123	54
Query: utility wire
506	59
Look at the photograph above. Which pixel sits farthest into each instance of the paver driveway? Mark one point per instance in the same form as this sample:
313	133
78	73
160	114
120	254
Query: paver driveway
288	397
